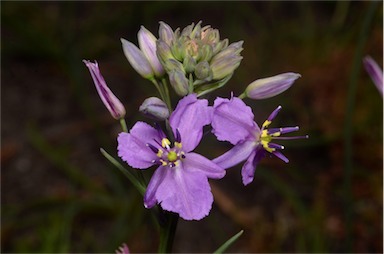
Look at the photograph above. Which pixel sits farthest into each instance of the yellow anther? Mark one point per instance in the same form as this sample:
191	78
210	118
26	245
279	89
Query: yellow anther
160	153
163	162
266	147
165	143
266	123
178	145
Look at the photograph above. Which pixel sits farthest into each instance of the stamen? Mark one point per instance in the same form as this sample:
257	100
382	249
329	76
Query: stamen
153	148
294	137
281	156
165	143
160	131
273	114
178	137
275	146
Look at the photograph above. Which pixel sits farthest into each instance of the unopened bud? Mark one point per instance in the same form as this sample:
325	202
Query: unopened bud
269	87
224	66
163	51
165	33
147	43
203	71
172	65
189	64
154	108
111	102
179	82
137	59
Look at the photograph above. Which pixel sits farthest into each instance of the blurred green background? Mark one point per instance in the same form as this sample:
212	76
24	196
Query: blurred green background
59	194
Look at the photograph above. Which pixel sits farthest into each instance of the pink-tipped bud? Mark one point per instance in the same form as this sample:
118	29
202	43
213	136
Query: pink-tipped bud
111	102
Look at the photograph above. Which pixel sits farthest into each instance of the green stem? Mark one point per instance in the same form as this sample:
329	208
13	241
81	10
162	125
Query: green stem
167	232
123	124
167	97
242	96
348	127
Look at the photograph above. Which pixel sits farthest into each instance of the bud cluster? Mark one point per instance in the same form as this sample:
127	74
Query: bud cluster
195	58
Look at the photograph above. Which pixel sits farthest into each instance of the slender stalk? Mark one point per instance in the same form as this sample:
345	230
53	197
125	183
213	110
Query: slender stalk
167	232
242	96
168	98
348	125
123	125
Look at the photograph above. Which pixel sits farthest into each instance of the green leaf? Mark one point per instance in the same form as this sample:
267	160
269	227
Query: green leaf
228	243
131	177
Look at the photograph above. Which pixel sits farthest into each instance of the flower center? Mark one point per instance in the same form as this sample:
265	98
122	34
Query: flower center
167	155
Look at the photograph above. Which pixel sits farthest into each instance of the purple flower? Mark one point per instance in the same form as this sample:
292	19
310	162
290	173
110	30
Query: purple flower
375	72
233	121
111	102
180	183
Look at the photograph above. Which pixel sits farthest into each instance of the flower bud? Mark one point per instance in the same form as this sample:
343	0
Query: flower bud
137	59
375	72
226	61
189	64
172	64
165	33
111	102
203	71
163	51
206	52
147	43
179	82
224	66
269	87
154	108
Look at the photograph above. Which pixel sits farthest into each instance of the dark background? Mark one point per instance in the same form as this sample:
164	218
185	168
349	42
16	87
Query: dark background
59	194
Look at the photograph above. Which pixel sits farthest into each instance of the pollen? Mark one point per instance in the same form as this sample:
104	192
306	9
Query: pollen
165	143
178	145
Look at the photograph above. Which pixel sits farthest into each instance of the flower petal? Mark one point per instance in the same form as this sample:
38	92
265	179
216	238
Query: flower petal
196	162
132	147
233	120
237	154
189	117
156	179
249	167
186	193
